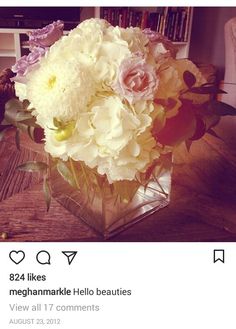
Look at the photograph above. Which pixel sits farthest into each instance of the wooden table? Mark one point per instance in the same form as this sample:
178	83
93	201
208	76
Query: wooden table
202	208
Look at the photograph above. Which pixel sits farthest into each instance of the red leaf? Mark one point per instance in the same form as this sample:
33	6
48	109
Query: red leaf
179	128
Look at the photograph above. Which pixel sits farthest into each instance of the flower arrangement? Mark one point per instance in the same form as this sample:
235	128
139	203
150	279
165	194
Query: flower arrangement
113	103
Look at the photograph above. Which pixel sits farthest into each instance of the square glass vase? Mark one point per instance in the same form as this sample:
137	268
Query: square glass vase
103	209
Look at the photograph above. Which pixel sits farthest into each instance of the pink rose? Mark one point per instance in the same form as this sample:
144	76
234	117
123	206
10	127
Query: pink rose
27	63
160	47
46	36
20	66
137	80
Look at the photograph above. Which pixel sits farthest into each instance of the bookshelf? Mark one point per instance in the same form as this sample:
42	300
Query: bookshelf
162	19
173	22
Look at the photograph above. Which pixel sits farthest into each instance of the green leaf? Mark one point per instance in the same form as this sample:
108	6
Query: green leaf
206	90
21	116
65	172
200	129
207	84
12	107
33	166
47	192
25	103
220	108
189	78
14	104
213	133
30	131
30	122
211	120
16	114
17	139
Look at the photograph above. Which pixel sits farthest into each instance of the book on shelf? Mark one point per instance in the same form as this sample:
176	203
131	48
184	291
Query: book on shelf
182	26
173	22
166	15
131	18
144	20
188	19
153	21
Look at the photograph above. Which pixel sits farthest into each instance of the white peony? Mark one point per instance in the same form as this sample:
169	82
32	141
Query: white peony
58	89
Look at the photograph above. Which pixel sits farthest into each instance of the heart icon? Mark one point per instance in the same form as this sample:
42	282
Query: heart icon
17	256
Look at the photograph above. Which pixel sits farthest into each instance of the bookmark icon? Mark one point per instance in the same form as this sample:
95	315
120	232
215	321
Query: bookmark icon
219	255
70	255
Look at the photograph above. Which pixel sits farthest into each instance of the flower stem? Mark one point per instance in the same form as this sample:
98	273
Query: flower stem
74	173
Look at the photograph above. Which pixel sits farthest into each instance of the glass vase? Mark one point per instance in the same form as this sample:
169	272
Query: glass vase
106	208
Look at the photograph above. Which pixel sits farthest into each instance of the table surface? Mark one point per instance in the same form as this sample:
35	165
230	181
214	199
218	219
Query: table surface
202	207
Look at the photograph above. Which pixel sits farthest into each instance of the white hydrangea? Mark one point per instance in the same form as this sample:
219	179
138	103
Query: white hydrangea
110	136
82	43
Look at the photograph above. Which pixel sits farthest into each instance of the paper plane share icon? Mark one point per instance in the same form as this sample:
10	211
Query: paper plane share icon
70	255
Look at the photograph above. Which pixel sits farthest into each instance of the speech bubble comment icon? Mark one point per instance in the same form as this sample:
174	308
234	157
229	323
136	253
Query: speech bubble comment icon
43	257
